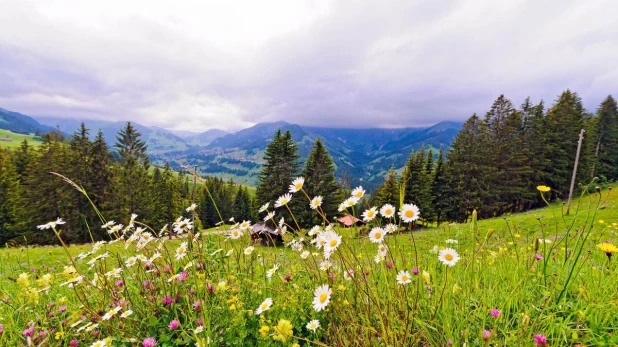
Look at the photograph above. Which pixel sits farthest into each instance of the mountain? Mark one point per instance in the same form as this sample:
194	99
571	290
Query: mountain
22	124
205	138
364	155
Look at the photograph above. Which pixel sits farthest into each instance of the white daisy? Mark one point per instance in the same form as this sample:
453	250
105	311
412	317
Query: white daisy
403	277
107	225
264	207
235	234
304	254
181	251
358	192
348	274
100	343
269	216
283	200
390	228
378	258
313	325
126	313
314	230
451	241
376	235
114	273
249	250
272	271
321	297
297	184
198	330
387	211
409	213
131	261
448	256
191	208
382	249
369	214
349	202
315	202
245	225
333	240
325	265
264	306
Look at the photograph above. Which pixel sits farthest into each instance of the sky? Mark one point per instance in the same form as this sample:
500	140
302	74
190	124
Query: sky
195	65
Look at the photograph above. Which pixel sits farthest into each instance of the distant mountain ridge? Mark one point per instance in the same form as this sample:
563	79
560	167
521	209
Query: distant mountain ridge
22	124
363	155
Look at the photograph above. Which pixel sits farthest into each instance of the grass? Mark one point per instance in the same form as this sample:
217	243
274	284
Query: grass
563	289
18	139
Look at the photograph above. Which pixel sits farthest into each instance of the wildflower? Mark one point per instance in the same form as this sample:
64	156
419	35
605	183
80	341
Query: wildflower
245	225
235	234
283	330
415	271
448	256
313	325
23	280
387	211
74	343
325	265
409	213
358	192
486	335
538	257
114	273
451	241
390	228
495	312
111	313
389	265
287	277
304	254
382	249
174	324
107	225
198	330
348	274
271	271
149	342
314	230
315	202
167	300
541	340
297	184
100	343
378	258
283	200
1	329
543	189
322	297
349	202
264	207
376	235
403	277
264	306
51	225
608	248
126	313
249	250
191	208
264	330
427	277
131	261
369	214
449	342
181	251
28	332
333	240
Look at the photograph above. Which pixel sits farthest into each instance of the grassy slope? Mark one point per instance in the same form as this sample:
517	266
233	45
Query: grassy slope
17	139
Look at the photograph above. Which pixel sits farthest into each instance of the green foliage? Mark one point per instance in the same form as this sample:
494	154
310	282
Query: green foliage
606	132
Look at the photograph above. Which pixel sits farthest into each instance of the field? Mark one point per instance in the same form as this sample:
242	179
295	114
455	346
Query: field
532	279
17	139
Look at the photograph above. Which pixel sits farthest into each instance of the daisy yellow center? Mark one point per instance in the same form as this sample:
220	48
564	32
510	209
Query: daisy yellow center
388	211
378	235
448	257
264	306
180	250
299	185
284	201
333	243
404	278
313	326
323	298
409	213
370	213
359	195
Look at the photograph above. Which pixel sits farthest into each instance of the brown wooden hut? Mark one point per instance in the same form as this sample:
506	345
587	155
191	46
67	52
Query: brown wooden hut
265	235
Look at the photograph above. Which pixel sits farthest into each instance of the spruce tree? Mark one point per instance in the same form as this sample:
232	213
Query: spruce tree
440	190
387	192
11	202
606	149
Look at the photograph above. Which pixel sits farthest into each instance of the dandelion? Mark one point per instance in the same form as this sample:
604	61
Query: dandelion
495	312
249	250
409	213
315	202
149	342
358	192
264	207
608	248
283	200
376	235
313	325
321	297
543	189
403	277
448	256
369	214
181	251
174	324
264	330
264	306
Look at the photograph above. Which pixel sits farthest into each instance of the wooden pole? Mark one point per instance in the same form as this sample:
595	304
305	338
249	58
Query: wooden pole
579	147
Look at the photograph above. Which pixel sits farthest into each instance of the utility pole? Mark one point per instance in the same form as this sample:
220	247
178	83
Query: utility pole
579	147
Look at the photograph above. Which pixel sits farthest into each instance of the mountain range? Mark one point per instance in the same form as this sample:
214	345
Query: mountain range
364	156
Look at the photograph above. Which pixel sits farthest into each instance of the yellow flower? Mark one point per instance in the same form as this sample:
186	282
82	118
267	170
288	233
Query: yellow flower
517	235
608	248
23	280
283	330
264	330
601	221
341	287
543	189
59	335
233	307
345	302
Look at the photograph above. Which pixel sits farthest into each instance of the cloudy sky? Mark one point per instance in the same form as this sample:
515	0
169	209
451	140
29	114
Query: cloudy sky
197	65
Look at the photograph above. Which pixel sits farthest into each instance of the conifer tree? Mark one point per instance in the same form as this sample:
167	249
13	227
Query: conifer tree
440	190
606	146
11	201
387	192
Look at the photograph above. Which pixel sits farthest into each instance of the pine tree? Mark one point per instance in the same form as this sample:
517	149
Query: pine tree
11	201
319	174
416	183
440	190
387	192
606	147
534	146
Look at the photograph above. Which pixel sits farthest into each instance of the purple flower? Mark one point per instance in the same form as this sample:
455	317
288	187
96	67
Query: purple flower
200	321
149	342
42	334
332	275
167	300
287	277
183	276
415	271
74	343
119	283
1	329
495	312
389	265
541	340
486	335
449	342
174	324
62	308
29	331
211	288
538	257
197	306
